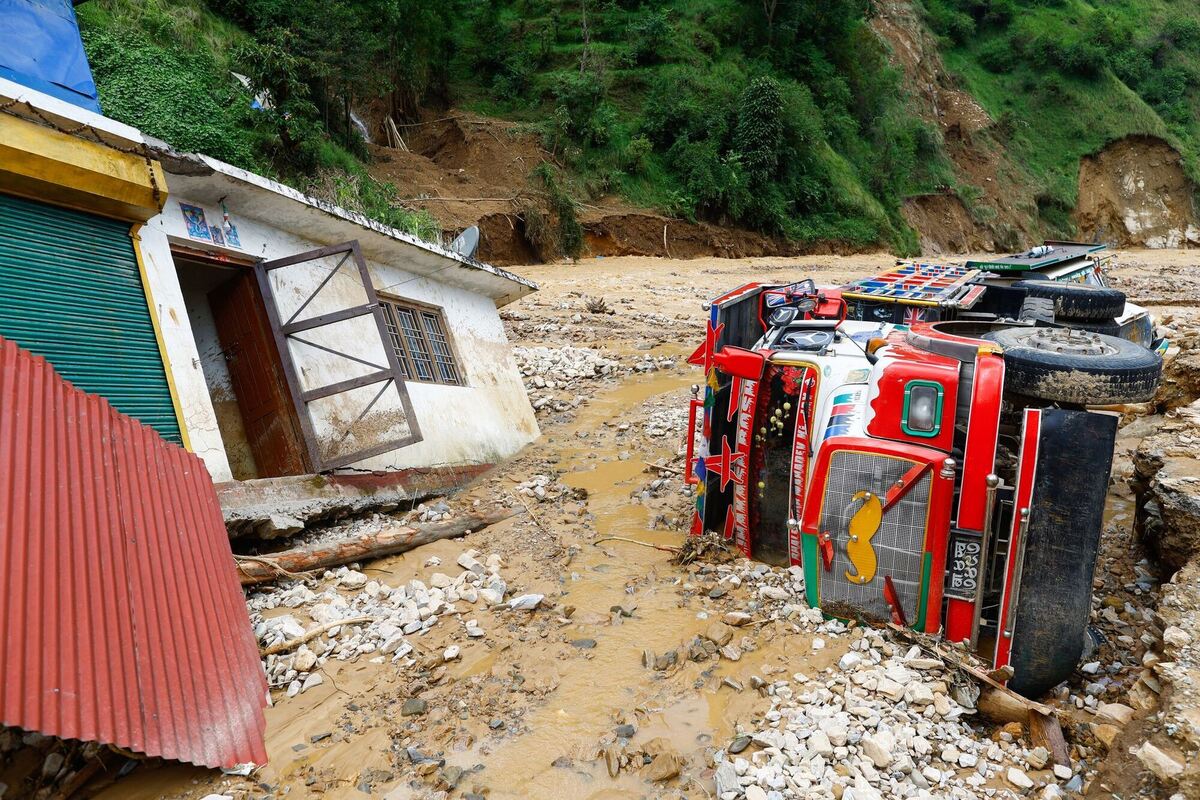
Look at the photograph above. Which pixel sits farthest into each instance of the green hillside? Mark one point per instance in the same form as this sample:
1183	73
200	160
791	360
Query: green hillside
786	117
1062	78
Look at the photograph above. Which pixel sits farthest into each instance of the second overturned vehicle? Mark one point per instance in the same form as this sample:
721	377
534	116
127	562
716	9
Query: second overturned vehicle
937	467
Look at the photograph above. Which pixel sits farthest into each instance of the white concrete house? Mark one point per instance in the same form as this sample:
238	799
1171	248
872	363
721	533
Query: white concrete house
304	338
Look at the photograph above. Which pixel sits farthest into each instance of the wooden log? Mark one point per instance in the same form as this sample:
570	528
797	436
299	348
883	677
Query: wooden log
1045	731
260	569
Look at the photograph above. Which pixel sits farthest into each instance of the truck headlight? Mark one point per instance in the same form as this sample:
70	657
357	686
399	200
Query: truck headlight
922	409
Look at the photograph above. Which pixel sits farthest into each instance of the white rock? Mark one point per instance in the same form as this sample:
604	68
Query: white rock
919	694
293	689
772	592
440	580
526	602
878	748
890	689
754	792
353	580
1176	636
1118	713
1163	765
451	653
727	779
1062	773
312	680
492	597
819	743
304	660
1018	778
849	661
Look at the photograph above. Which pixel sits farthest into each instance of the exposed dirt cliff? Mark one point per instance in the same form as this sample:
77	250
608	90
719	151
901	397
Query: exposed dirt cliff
1134	192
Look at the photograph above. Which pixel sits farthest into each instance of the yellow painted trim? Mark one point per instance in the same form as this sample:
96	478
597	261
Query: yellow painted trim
158	336
904	300
43	164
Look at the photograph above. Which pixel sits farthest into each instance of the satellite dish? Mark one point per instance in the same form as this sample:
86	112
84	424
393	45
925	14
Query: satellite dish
467	242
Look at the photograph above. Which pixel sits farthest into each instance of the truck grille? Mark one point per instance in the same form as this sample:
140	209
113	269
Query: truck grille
898	544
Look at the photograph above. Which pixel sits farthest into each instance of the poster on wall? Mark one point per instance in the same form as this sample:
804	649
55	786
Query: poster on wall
218	238
197	225
231	235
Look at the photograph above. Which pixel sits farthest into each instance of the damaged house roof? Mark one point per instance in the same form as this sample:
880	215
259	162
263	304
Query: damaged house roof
203	179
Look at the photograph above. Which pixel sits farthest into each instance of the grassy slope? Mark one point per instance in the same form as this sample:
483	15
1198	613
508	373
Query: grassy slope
163	65
857	214
1052	117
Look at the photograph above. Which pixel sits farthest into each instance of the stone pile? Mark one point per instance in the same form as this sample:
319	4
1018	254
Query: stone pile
542	488
380	619
562	367
549	372
666	421
653	363
886	721
883	723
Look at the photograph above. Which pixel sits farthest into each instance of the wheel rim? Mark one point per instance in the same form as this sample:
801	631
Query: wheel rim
1069	341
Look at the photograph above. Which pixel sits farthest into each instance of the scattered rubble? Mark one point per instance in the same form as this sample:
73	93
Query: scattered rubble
374	618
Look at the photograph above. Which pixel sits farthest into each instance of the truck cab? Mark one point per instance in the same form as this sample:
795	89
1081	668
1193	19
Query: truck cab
945	474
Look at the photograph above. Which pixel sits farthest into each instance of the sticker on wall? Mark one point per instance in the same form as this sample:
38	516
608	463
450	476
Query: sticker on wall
217	236
231	232
197	225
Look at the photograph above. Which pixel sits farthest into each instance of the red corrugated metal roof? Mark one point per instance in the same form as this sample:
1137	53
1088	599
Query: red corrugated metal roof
122	618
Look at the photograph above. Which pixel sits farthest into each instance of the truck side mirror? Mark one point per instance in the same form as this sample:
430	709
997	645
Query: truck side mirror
740	362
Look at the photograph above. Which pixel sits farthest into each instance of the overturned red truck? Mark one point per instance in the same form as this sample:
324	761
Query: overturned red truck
932	445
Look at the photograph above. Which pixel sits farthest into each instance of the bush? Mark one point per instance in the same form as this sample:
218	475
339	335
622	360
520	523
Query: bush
178	97
581	112
638	153
1183	33
568	237
954	25
649	36
998	55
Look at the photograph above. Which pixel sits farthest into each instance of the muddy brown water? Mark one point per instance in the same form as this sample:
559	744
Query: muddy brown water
611	685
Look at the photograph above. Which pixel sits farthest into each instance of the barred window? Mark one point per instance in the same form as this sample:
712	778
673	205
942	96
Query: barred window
418	337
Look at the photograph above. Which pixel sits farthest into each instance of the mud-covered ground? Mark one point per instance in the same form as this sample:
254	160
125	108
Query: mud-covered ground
634	677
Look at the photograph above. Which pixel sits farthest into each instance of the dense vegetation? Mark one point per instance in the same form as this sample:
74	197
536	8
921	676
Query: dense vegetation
784	116
1064	77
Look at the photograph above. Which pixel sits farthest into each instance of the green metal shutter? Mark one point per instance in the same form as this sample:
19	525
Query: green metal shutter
71	291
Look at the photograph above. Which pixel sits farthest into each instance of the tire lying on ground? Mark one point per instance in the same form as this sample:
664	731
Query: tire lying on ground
1079	367
1077	300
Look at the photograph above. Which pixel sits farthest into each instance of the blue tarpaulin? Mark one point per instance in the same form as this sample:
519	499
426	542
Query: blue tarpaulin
40	47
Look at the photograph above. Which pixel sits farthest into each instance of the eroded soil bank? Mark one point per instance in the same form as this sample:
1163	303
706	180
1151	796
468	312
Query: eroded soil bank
633	677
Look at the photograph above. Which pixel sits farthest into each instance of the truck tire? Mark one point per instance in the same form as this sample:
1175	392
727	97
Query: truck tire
1108	327
1064	365
1077	300
1036	309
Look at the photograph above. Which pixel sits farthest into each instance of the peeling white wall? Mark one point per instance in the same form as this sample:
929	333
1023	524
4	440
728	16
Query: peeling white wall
487	420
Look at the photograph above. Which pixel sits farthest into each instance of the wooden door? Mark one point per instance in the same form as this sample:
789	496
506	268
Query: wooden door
268	414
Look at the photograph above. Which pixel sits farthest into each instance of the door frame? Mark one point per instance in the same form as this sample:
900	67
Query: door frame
246	265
